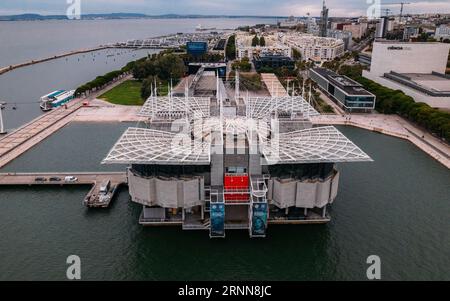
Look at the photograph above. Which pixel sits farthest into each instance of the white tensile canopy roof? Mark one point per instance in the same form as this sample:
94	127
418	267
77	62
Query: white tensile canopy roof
147	146
167	106
262	107
315	145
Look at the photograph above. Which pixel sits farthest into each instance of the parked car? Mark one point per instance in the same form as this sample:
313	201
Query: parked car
70	179
55	179
40	179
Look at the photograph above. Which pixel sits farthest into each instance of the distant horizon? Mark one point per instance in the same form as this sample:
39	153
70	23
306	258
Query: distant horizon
143	15
236	8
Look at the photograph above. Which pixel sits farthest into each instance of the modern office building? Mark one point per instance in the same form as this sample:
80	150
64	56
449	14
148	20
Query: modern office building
314	48
220	163
410	32
417	69
197	48
347	93
273	61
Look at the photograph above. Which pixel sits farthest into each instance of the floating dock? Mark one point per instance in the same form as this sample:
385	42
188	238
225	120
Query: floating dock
92	199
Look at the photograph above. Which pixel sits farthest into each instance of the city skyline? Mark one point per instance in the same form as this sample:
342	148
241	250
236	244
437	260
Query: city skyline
350	8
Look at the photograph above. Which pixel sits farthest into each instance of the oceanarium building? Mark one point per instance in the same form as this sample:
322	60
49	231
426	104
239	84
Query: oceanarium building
217	163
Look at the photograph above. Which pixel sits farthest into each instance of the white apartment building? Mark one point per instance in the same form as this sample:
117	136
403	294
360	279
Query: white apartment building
273	46
442	32
318	49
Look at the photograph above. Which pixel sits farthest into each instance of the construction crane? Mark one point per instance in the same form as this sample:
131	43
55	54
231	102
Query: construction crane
387	11
401	7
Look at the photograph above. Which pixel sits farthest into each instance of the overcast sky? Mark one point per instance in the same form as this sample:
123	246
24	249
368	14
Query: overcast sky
226	7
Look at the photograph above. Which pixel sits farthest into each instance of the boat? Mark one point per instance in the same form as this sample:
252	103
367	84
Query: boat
201	28
56	99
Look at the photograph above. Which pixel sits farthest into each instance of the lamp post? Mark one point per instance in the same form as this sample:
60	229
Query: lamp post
2	128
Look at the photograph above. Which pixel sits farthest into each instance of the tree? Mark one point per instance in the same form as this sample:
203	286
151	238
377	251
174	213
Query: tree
230	50
262	42
255	41
296	55
148	85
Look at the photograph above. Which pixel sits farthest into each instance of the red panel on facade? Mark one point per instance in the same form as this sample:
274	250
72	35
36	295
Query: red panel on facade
236	182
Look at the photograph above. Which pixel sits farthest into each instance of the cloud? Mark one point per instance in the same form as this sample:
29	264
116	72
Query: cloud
228	7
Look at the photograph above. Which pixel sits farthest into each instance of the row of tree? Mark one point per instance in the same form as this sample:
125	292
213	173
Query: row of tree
243	65
101	81
396	102
165	65
230	49
256	41
159	69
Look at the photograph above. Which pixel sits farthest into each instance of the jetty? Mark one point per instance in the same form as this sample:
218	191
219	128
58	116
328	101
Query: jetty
54	57
93	199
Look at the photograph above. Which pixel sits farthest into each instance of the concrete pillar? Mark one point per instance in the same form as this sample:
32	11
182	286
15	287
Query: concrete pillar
182	214
324	212
286	210
202	209
305	212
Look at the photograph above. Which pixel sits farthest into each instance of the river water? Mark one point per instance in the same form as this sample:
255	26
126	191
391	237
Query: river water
397	207
23	41
26	40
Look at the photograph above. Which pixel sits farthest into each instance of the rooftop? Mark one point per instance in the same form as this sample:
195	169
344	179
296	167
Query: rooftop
148	146
315	145
346	84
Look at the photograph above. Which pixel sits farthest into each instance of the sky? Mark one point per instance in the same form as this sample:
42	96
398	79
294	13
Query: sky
338	8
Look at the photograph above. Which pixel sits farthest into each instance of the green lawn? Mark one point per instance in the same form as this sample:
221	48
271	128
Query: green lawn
127	93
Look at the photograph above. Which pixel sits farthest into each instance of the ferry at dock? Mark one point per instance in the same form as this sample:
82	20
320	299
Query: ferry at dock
56	99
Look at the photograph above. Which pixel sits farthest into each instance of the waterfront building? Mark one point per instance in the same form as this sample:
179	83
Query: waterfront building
220	163
417	69
346	92
314	48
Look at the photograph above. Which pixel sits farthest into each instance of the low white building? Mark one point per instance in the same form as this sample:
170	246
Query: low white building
313	47
442	32
417	69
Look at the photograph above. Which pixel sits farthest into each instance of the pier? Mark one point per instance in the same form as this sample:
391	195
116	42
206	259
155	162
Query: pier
32	62
95	179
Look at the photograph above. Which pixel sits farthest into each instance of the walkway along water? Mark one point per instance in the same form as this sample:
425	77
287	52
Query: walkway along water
32	133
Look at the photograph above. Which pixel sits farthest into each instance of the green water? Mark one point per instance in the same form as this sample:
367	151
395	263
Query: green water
397	207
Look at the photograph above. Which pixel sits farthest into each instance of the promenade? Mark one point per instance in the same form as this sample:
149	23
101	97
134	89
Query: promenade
19	141
392	125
